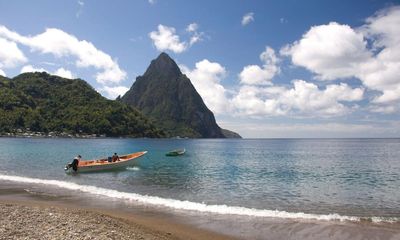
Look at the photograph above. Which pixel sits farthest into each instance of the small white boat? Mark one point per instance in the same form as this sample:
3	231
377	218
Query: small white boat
176	152
105	164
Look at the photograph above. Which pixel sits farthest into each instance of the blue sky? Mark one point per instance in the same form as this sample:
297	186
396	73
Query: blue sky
265	68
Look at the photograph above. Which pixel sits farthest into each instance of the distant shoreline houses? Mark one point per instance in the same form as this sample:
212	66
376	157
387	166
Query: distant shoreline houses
33	134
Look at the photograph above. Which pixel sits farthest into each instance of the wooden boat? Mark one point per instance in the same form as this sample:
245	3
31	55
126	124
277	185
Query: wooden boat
105	164
176	152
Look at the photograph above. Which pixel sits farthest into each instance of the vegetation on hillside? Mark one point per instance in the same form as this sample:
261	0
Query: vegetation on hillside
46	103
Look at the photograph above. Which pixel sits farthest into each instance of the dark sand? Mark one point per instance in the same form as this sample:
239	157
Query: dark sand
27	216
39	220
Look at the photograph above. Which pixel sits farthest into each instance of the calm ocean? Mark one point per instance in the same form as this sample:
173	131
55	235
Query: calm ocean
342	179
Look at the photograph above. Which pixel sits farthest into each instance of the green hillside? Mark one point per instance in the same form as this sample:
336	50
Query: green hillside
46	103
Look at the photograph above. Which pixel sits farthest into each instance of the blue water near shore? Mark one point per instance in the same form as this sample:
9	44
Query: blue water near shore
290	178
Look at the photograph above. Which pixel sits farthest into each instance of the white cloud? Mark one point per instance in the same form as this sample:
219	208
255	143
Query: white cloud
384	109
247	18
30	68
61	44
382	71
384	27
283	20
152	1
338	51
256	75
196	36
81	4
2	73
61	72
192	27
64	73
113	92
10	55
304	99
165	38
206	78
331	51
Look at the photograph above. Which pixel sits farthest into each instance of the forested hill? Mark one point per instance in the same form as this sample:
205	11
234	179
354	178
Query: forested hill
46	103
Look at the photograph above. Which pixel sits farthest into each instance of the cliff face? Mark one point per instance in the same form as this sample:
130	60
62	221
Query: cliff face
167	96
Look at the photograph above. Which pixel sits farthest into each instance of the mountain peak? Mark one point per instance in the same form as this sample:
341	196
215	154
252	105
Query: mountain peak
168	97
163	65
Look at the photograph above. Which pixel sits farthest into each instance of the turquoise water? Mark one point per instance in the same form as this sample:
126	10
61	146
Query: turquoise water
319	177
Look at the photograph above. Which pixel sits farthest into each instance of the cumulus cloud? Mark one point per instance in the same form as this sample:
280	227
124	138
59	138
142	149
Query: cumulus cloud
247	18
61	72
192	27
2	73
10	55
196	36
30	68
64	73
337	51
165	38
384	109
256	75
61	44
113	92
331	51
382	71
206	78
303	99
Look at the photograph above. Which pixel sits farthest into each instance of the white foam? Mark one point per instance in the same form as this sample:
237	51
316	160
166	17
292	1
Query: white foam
133	168
187	205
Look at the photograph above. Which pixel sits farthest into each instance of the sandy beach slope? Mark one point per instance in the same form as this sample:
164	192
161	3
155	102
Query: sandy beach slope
40	220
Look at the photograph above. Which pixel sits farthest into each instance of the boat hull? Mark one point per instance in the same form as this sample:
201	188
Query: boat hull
104	165
175	153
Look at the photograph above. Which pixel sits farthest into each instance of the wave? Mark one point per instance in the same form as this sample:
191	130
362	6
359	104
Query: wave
133	168
192	206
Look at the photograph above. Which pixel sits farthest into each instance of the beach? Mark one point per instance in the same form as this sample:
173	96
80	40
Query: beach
30	216
44	220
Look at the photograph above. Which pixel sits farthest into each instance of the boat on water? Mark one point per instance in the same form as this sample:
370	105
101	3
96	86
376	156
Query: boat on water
176	152
105	163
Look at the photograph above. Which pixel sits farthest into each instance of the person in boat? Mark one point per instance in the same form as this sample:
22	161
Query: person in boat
115	157
74	164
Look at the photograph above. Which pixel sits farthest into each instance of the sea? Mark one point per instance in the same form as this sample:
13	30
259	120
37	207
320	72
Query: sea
355	180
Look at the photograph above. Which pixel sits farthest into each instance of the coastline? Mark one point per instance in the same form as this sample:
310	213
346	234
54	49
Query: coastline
28	218
28	214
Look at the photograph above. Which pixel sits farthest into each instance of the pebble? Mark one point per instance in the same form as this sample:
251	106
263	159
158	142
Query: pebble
26	222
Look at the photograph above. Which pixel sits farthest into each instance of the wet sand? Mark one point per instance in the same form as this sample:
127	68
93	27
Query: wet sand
39	220
27	216
24	215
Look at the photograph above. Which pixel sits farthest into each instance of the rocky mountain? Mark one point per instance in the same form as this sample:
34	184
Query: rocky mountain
46	103
167	97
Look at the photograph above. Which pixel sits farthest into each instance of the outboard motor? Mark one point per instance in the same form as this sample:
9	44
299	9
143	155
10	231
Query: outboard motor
73	165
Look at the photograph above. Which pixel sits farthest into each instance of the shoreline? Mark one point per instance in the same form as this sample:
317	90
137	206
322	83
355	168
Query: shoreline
65	220
29	207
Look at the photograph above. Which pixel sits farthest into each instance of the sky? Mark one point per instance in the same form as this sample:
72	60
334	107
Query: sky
267	69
